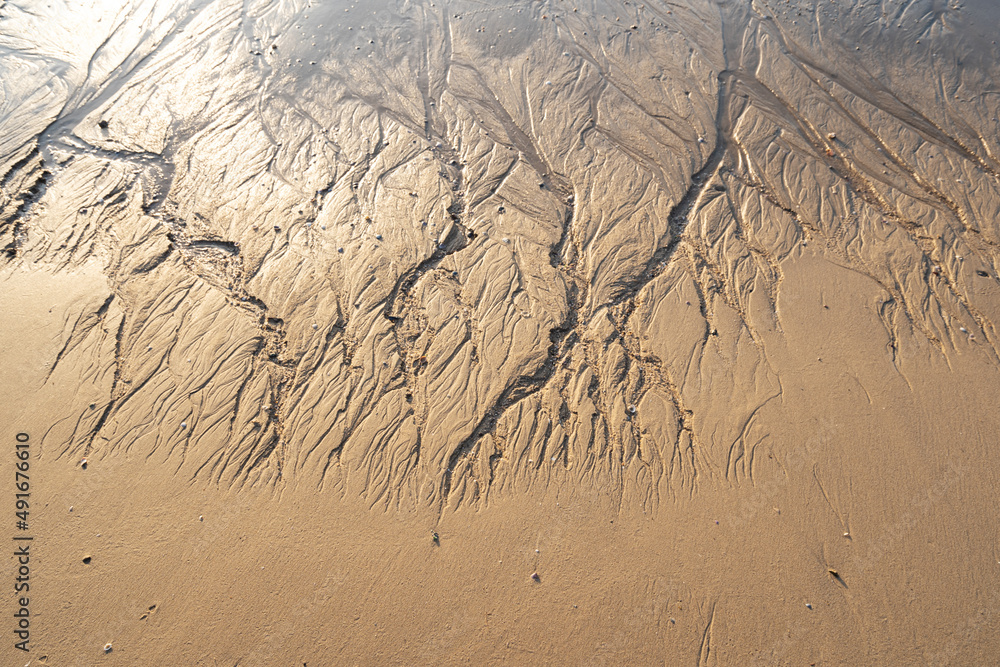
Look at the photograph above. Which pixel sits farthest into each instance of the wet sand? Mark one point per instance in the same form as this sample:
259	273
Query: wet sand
537	333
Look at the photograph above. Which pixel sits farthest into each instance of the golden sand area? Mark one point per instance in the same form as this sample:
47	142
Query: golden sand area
536	332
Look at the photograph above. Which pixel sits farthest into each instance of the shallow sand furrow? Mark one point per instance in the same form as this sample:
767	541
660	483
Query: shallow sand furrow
420	230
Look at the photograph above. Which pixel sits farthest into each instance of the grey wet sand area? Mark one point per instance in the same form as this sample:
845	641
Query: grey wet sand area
361	315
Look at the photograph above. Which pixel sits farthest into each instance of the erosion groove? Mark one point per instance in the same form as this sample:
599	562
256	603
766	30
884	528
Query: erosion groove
439	253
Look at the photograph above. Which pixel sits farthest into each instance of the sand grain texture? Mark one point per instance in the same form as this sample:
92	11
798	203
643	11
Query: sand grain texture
689	308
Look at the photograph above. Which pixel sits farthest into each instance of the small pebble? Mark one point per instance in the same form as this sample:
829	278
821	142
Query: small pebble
107	647
184	424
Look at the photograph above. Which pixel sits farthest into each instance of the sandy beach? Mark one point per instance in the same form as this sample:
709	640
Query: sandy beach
539	332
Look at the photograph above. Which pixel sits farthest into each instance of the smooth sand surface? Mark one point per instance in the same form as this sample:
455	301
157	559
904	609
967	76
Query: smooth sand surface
466	332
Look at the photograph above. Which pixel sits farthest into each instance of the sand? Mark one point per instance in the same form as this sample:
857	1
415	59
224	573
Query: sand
470	333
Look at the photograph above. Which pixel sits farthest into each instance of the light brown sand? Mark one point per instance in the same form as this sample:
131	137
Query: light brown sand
362	315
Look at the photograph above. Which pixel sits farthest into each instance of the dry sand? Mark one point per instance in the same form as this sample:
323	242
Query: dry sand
453	332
